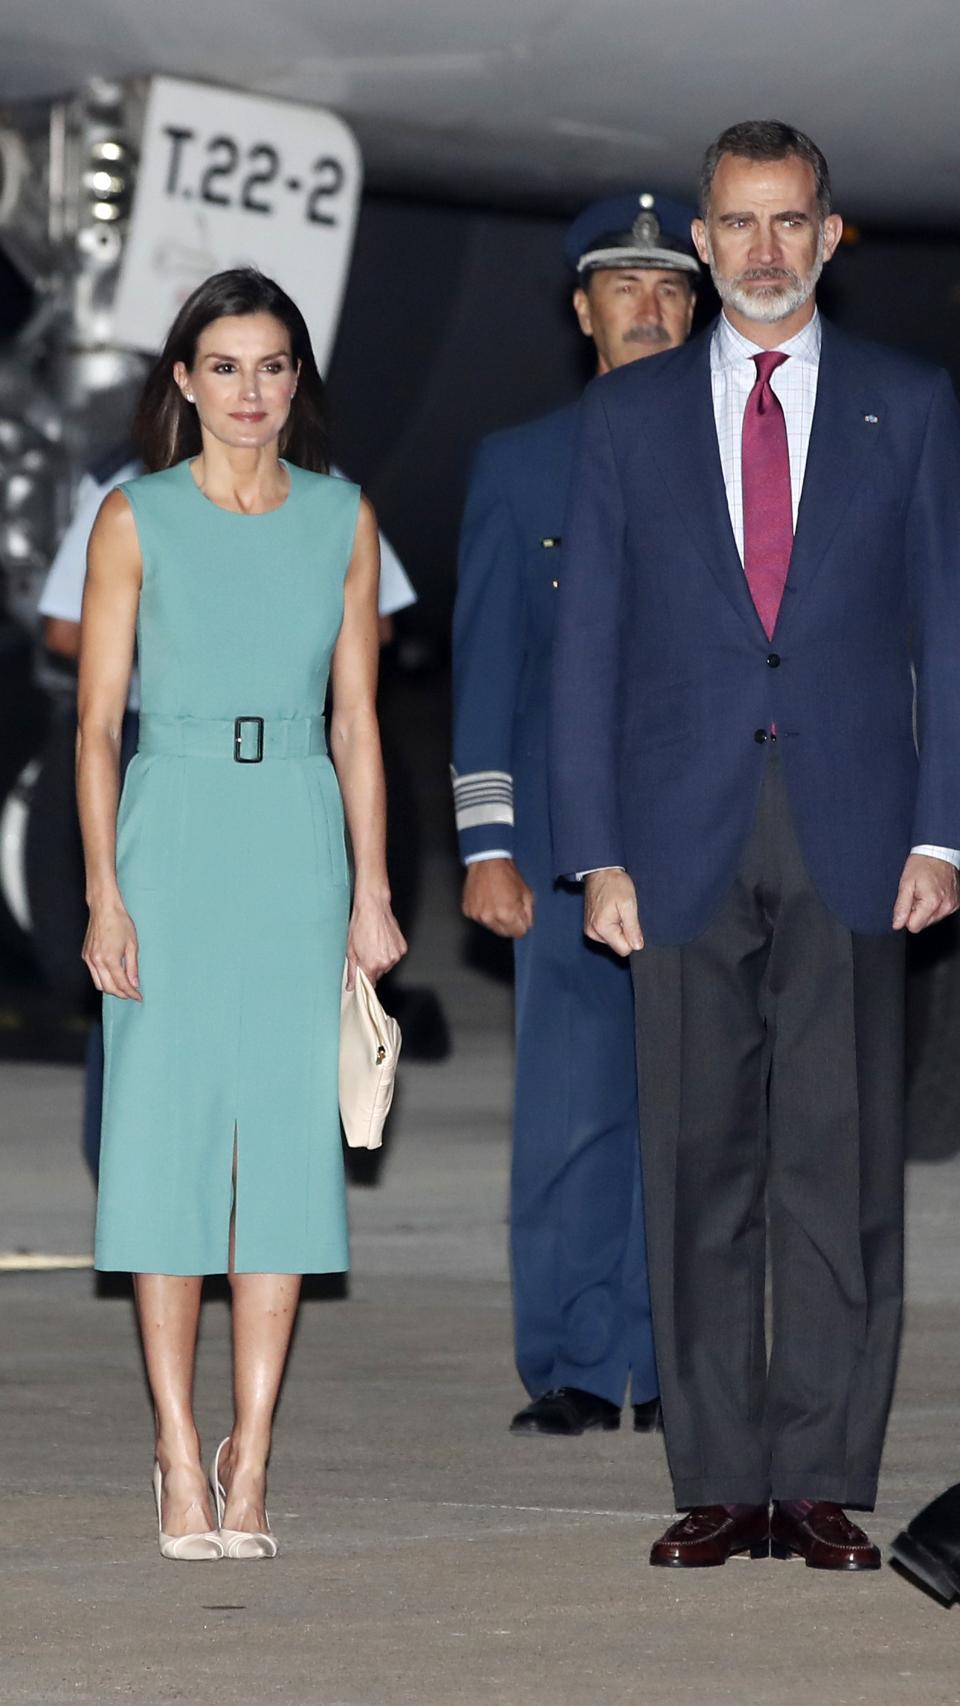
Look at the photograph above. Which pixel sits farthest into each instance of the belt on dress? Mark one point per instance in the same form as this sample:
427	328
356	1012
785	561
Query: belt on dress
246	740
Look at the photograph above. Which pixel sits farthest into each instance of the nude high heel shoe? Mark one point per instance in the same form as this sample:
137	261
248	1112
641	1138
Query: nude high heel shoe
236	1542
185	1548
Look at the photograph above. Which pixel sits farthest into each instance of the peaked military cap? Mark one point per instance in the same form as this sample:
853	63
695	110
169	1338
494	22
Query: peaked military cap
643	230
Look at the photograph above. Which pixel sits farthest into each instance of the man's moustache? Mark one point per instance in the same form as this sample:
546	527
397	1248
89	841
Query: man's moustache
647	335
768	275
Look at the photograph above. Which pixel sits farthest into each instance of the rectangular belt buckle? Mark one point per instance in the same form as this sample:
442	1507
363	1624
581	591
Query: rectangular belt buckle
238	740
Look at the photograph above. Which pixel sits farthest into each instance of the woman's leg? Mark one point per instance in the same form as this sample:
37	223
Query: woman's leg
264	1311
169	1309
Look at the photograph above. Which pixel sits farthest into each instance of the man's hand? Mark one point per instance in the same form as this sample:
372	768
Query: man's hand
495	894
610	911
928	892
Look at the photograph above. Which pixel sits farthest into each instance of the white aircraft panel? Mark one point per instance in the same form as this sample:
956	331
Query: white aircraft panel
230	179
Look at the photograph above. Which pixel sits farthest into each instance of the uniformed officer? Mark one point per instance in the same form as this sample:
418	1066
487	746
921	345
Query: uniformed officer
581	1303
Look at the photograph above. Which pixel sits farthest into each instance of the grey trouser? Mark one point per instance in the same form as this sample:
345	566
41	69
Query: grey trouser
771	1096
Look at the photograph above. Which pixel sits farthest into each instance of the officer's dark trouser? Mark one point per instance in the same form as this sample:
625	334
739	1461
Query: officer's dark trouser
581	1300
775	977
93	1085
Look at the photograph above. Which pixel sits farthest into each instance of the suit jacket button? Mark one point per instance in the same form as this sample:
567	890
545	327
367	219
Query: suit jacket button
760	736
774	660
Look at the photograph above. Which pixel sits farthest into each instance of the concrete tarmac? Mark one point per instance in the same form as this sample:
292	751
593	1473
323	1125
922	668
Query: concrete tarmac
429	1559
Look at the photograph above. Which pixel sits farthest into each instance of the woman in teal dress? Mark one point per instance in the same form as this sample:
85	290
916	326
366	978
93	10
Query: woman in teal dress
220	912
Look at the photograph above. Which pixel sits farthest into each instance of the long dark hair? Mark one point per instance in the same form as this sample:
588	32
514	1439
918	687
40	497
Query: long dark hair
165	426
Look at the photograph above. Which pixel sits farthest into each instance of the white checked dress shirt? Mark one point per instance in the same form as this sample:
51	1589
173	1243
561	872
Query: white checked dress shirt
733	375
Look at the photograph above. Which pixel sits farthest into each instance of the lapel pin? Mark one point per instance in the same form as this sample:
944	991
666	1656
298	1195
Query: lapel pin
872	420
549	544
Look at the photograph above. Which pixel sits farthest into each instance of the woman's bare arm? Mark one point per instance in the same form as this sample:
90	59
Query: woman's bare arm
374	940
107	637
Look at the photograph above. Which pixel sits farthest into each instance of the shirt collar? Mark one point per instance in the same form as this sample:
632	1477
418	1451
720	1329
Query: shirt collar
729	347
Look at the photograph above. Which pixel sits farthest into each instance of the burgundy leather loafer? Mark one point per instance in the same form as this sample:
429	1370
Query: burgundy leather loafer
710	1534
823	1536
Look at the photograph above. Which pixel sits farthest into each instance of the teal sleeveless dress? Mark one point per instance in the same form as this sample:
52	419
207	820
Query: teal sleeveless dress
231	862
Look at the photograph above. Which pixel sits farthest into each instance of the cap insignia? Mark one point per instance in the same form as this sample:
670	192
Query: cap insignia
645	229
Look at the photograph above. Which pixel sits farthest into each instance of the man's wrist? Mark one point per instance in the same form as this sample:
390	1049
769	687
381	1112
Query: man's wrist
950	855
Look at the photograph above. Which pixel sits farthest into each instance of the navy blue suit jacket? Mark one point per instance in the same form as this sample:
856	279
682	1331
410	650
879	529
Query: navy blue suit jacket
663	674
510	556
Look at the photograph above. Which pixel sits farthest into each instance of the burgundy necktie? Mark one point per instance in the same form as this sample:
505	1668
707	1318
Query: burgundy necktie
767	503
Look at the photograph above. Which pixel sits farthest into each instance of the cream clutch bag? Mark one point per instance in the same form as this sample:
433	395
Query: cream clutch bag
369	1051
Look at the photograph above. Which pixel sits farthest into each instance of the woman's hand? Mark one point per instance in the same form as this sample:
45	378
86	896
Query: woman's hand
110	951
374	940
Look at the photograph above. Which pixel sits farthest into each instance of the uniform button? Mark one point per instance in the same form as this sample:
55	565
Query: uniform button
774	660
761	736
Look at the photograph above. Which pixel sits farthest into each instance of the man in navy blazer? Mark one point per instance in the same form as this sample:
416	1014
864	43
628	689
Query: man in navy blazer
581	1301
762	554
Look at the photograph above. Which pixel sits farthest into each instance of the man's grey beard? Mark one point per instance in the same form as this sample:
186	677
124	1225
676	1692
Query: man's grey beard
788	290
649	334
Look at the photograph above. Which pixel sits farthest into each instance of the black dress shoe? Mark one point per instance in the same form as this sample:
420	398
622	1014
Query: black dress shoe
566	1410
929	1548
648	1417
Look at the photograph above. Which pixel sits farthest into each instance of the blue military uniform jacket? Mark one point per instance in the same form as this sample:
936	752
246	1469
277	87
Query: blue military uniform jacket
581	1302
510	558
